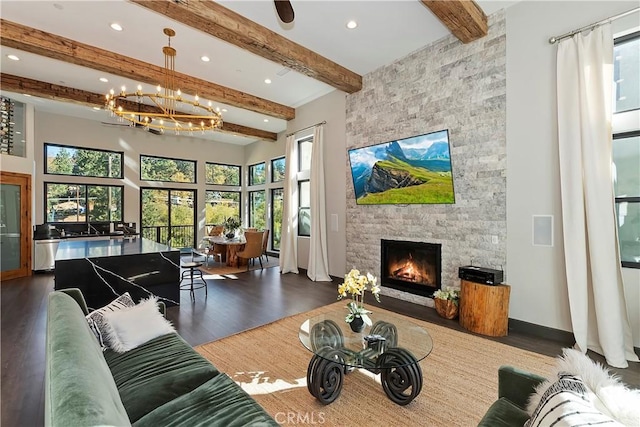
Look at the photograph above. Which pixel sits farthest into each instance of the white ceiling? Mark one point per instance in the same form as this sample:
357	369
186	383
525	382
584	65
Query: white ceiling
387	30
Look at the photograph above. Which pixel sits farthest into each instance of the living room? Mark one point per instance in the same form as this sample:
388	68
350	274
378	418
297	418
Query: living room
496	98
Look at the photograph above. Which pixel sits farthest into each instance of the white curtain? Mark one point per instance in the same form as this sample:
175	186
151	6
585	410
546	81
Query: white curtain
594	277
318	269
289	234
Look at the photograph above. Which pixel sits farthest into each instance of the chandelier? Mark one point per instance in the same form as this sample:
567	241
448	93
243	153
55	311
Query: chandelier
165	115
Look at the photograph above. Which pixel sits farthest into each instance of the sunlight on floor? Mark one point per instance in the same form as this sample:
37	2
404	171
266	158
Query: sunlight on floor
219	276
256	382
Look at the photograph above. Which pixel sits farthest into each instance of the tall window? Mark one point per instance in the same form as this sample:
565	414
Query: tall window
277	203
257	209
304	186
167	169
626	146
220	205
76	161
219	174
73	202
257	174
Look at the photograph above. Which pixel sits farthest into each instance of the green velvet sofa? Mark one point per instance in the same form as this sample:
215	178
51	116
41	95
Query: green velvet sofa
514	388
162	382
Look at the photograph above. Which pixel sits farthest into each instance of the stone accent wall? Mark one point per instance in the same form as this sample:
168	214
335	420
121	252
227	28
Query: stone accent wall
445	85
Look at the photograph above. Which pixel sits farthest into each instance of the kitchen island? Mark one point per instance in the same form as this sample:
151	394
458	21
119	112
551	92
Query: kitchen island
104	269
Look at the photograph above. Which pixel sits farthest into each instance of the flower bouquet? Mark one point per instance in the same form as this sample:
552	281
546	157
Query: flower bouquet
356	284
447	302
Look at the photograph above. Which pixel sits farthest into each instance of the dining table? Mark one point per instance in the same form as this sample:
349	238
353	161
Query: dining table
232	247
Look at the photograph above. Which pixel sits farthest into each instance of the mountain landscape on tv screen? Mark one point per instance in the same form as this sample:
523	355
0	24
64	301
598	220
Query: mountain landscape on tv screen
407	171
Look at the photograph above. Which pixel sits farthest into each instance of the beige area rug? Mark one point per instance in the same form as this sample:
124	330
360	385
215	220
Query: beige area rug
460	377
215	268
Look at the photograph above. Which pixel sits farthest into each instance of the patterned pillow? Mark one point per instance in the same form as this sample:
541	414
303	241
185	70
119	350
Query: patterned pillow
97	321
568	402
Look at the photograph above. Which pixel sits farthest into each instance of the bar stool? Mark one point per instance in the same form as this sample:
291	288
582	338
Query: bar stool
193	273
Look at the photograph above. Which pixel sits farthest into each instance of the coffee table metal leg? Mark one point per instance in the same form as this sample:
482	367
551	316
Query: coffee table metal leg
400	374
325	376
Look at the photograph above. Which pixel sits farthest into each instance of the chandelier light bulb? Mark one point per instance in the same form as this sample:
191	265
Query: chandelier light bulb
112	92
159	88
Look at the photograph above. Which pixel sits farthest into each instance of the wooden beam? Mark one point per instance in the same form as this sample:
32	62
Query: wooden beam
11	83
218	21
56	47
464	18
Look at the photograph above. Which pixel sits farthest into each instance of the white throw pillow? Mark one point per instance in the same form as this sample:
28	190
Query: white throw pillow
96	318
603	392
130	327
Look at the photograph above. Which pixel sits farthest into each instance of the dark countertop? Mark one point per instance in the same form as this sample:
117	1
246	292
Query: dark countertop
79	249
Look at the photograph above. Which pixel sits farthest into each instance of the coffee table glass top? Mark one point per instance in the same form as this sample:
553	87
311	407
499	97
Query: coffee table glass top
329	331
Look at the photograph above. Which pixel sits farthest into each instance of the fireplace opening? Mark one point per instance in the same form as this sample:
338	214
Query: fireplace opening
412	267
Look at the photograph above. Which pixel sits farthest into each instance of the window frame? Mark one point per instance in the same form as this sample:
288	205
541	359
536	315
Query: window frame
239	184
272	218
283	158
623	132
250	174
73	147
195	169
250	222
304	175
86	200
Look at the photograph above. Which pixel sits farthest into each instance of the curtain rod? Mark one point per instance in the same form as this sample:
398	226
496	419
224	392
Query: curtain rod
324	122
556	39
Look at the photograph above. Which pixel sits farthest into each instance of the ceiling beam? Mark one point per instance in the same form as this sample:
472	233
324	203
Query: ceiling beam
464	18
17	84
53	46
218	21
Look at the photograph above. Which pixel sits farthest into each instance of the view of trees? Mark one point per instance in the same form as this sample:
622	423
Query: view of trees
277	200
257	174
167	170
222	174
257	209
168	214
221	205
277	169
83	203
65	160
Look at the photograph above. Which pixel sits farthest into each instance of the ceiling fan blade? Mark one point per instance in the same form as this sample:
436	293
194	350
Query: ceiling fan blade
285	10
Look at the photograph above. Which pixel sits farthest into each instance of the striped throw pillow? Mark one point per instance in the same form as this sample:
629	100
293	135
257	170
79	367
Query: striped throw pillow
97	321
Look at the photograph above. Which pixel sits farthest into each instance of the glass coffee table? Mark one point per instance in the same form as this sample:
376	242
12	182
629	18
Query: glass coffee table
391	347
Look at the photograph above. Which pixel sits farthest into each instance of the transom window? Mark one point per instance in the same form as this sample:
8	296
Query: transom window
167	170
277	169
76	161
220	174
257	174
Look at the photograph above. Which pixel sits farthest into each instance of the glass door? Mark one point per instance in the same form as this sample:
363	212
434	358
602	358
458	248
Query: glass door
168	216
15	225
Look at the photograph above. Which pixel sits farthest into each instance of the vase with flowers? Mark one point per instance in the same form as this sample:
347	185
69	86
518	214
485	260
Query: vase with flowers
355	285
446	302
231	225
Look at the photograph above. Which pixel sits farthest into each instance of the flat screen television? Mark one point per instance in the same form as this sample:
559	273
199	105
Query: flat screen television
415	170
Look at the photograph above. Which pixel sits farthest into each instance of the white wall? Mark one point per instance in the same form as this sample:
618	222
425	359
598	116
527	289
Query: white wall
536	274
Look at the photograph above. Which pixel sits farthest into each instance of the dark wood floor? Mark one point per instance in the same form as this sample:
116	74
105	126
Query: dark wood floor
253	299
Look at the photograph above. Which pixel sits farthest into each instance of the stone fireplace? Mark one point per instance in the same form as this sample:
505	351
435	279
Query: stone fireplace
413	267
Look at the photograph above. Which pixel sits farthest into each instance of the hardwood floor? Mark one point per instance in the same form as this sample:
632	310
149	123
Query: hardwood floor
233	305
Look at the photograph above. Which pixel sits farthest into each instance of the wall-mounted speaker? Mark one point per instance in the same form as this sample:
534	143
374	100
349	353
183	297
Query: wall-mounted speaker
542	230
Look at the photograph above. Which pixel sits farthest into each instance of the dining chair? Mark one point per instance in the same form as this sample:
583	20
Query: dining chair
265	240
253	247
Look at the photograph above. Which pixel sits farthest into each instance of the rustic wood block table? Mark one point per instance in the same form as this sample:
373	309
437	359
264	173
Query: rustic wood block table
484	309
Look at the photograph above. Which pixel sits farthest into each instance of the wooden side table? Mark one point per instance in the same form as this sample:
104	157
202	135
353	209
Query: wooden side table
484	309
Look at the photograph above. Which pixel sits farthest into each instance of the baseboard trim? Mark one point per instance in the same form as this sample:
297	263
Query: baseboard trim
539	331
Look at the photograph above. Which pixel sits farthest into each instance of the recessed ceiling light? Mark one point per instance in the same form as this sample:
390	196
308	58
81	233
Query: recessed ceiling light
13	57
205	58
224	110
267	81
266	120
26	94
96	108
104	79
352	24
116	26
18	132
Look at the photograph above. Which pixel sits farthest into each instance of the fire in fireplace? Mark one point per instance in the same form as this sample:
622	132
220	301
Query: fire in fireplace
412	267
